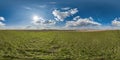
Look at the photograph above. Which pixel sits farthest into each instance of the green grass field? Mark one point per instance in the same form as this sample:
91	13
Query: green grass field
59	45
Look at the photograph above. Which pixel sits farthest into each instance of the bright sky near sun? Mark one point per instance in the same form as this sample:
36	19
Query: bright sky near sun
59	14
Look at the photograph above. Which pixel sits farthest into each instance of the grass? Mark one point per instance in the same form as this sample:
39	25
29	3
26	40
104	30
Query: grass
59	45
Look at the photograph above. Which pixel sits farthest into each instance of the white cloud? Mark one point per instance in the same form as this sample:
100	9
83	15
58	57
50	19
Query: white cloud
42	22
66	8
2	18
76	18
42	6
82	22
28	8
60	16
73	11
49	22
2	24
34	7
116	22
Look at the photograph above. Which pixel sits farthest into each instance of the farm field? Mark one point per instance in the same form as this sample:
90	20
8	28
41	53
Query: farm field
59	45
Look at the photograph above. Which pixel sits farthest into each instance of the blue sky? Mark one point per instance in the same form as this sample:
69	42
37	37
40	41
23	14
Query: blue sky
63	14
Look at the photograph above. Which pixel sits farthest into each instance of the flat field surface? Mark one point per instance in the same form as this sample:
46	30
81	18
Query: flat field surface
59	45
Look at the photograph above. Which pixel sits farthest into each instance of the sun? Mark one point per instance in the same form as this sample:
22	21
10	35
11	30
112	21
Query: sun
35	17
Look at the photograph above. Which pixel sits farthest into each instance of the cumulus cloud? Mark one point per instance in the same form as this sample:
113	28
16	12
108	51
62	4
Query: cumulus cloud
49	22
1	23
2	18
61	15
82	22
76	18
42	22
116	22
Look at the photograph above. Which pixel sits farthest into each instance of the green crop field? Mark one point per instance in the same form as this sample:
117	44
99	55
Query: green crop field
59	45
